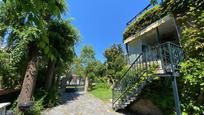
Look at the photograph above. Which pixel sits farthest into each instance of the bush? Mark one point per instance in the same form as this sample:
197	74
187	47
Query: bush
9	77
37	107
52	98
192	88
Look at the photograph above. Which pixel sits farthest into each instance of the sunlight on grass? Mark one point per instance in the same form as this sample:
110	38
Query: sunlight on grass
102	93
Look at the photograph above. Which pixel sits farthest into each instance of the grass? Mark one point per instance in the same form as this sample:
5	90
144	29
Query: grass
102	93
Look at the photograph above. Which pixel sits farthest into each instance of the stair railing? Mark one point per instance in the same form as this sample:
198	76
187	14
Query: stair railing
161	59
121	84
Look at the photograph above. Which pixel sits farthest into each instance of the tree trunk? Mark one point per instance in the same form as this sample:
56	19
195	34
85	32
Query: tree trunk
79	80
112	82
49	74
30	77
54	79
86	84
58	80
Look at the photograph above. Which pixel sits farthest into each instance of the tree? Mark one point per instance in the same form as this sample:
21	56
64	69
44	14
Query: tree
115	62
87	58
99	69
9	78
62	38
24	23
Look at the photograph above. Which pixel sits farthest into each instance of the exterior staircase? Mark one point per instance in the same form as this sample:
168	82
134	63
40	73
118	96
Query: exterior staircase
159	61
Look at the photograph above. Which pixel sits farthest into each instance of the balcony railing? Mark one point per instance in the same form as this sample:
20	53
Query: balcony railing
135	17
141	12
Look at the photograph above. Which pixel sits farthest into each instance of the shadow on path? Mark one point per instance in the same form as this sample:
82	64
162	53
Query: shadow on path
71	94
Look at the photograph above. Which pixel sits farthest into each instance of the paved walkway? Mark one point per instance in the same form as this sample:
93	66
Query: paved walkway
80	103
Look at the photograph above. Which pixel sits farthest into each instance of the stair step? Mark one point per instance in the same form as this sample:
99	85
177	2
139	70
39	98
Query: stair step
123	106
127	102
131	95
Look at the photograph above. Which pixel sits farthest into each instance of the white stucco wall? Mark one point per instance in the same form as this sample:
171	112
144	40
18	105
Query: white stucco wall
134	49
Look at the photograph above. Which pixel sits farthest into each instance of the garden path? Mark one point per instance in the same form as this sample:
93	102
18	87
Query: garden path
79	103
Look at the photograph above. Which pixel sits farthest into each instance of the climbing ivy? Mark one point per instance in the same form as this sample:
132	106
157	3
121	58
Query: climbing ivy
142	21
159	11
192	88
192	34
190	19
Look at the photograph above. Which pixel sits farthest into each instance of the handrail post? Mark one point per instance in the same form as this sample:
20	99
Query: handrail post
174	83
161	57
146	66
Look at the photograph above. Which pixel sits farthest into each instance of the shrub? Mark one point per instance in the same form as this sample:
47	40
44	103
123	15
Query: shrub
52	98
192	88
37	106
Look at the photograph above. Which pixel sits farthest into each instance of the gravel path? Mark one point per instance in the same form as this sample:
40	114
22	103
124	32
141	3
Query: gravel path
80	103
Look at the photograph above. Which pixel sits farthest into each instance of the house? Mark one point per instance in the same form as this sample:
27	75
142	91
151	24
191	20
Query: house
159	32
152	44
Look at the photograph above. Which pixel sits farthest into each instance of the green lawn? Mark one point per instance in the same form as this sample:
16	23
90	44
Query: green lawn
102	93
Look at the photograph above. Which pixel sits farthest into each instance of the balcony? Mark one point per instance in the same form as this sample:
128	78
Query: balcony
146	20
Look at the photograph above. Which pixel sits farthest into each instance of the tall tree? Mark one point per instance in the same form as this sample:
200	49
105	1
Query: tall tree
99	69
87	57
62	38
24	23
77	67
115	62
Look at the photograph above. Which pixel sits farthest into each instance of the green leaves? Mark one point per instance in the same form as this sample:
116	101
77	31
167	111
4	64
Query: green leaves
193	85
187	7
46	49
193	33
154	2
62	37
42	44
143	20
26	36
38	23
87	55
115	61
8	74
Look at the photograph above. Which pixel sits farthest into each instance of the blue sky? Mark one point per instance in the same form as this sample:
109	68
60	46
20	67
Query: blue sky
102	22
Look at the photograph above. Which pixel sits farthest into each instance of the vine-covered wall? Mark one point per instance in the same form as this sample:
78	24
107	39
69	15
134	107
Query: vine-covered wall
190	20
159	11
